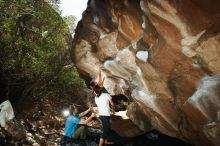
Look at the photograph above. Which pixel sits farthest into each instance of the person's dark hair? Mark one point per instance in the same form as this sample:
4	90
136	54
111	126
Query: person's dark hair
72	108
97	90
103	90
92	84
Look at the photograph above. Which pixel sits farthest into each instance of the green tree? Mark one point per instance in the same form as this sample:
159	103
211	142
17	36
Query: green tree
70	21
34	51
55	5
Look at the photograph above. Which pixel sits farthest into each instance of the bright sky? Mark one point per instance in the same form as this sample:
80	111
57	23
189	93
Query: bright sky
73	7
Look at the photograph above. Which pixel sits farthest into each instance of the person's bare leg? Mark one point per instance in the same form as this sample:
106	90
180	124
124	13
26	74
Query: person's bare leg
101	141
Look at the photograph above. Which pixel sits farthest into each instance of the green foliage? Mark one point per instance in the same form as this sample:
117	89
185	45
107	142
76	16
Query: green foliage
54	4
34	51
70	21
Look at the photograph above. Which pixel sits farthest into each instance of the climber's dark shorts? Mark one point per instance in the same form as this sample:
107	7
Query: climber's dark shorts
105	126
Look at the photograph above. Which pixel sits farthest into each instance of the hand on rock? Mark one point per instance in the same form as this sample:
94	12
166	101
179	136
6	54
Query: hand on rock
93	115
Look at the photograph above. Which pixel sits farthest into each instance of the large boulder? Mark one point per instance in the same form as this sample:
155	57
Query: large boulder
162	54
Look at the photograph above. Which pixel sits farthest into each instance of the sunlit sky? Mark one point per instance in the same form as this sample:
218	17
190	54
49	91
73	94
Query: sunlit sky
73	7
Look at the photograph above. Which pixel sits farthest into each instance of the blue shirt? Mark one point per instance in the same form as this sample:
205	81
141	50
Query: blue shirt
71	125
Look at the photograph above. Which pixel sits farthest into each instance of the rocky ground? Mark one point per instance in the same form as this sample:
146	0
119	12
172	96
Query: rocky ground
42	124
39	124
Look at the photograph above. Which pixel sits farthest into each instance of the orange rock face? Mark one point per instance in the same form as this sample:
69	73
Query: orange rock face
164	54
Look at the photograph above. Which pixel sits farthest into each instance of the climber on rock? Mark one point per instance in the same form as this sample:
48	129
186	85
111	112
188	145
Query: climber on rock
103	101
75	127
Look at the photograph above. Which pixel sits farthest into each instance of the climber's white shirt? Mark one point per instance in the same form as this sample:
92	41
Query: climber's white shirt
103	104
6	112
